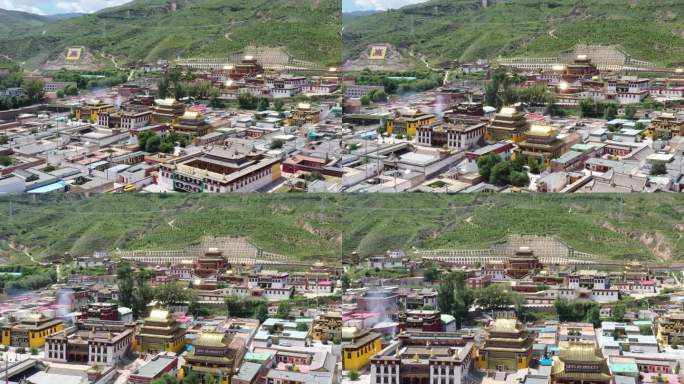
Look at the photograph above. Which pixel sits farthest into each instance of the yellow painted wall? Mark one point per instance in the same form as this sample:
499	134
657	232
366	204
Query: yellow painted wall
177	346
389	127
357	359
37	338
6	337
275	172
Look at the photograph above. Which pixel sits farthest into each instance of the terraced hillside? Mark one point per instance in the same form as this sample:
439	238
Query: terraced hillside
445	30
644	226
324	227
151	29
303	226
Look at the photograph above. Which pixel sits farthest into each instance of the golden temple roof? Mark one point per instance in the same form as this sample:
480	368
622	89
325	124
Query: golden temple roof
161	315
581	352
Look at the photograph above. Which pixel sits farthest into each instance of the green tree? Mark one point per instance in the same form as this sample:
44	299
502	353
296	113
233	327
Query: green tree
501	174
5	160
262	312
365	100
519	179
277	144
610	111
171	293
494	296
618	311
192	378
4	139
454	297
485	164
346	282
34	90
658	168
166	379
263	104
283	311
630	112
587	108
431	274
302	327
124	275
152	144
278	105
353	375
142	295
247	101
34	351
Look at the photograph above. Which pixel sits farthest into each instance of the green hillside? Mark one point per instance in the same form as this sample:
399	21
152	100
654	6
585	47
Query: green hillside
13	22
463	30
301	226
324	227
612	226
151	29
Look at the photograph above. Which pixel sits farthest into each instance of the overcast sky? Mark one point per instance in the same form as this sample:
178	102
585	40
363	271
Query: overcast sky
368	5
52	7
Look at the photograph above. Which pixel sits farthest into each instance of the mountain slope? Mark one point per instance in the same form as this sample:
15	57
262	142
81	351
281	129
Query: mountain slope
465	30
13	22
151	29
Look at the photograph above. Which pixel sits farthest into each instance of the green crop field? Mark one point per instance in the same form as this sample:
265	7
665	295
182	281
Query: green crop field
325	227
444	30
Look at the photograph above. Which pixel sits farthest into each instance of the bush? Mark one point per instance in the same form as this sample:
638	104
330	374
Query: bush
21	350
354	375
34	351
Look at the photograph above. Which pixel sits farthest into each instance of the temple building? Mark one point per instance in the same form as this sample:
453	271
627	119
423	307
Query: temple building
305	114
522	264
161	333
508	124
666	126
580	363
91	342
541	142
358	346
327	326
192	124
424	358
454	135
219	170
89	110
31	331
581	69
167	111
507	347
124	119
407	121
210	263
671	327
248	67
215	354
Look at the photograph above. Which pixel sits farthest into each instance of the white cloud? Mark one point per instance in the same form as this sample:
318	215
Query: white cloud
60	6
383	4
20	6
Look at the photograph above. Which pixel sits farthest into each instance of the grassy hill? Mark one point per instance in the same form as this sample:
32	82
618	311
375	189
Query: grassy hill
302	226
463	30
152	29
315	227
13	22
